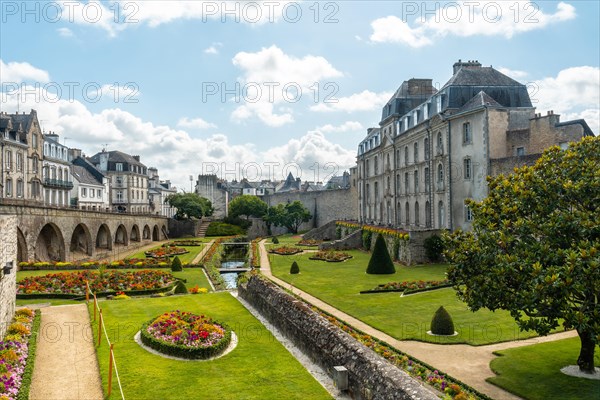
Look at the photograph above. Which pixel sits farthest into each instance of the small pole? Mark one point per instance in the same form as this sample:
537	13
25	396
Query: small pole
100	328
95	305
110	368
87	292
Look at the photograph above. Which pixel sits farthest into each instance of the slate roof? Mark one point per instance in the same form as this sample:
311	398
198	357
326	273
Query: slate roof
480	76
117	156
289	185
587	131
85	172
479	100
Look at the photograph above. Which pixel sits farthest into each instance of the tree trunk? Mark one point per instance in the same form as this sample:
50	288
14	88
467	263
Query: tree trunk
586	354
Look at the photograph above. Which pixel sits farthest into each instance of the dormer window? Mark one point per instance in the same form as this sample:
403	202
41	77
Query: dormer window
426	111
119	167
415	117
438	103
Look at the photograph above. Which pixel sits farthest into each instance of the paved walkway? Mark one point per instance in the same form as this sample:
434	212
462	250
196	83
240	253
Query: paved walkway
66	366
200	255
469	364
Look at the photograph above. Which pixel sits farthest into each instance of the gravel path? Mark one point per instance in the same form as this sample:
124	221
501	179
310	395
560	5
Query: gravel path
469	364
66	366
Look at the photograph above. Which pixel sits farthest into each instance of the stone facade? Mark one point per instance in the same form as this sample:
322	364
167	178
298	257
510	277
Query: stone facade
209	187
8	254
369	375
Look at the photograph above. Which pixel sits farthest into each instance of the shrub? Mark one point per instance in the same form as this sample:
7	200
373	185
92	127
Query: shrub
433	248
274	240
441	323
180	288
380	262
241	222
294	269
338	232
176	265
366	238
223	229
396	247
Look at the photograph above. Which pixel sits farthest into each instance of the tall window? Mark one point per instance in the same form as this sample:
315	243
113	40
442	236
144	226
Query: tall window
428	214
467	167
427	180
438	104
9	188
440	144
119	181
34	165
468	214
397	183
387	160
405	155
426	146
8	160
376	190
407	213
397	164
417	213
406	183
119	195
376	165
440	177
34	141
119	167
416	155
416	178
83	192
441	214
388	183
467	134
19	161
367	169
20	188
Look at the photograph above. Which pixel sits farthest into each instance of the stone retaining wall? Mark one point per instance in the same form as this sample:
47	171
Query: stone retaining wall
8	285
351	241
369	375
325	232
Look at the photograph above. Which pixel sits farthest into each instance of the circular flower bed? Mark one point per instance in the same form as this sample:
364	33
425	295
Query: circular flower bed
188	242
285	250
166	251
331	256
186	335
309	242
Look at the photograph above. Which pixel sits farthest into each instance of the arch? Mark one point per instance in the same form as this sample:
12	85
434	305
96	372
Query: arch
81	241
155	233
428	214
146	235
103	238
50	245
441	216
121	237
22	254
417	211
135	233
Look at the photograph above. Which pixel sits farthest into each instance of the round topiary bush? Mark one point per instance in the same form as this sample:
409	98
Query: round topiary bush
176	265
186	335
294	269
380	262
275	240
441	323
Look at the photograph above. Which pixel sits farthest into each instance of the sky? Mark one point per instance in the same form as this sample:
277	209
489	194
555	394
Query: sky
259	89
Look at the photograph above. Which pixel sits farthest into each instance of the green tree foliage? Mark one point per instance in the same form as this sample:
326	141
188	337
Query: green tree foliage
274	240
190	205
367	238
294	269
250	206
176	265
380	262
441	323
535	246
290	215
434	248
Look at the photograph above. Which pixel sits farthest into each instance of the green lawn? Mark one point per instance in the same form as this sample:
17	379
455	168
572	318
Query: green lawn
533	372
407	317
258	368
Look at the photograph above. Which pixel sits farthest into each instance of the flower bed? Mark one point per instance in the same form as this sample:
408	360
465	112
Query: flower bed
253	254
285	250
17	353
186	335
129	263
331	256
73	283
408	287
189	242
309	242
166	251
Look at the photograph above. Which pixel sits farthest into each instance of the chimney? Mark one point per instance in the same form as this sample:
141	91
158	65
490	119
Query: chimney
74	153
137	158
471	64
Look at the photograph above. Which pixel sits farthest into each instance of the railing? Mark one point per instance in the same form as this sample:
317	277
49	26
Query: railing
102	328
57	183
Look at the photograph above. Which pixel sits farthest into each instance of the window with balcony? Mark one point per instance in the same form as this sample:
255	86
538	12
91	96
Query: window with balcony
119	196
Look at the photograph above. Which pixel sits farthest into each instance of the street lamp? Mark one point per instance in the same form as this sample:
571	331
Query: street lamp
191	180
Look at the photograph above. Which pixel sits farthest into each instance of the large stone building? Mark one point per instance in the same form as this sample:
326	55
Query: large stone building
128	179
90	185
21	157
158	191
56	171
433	149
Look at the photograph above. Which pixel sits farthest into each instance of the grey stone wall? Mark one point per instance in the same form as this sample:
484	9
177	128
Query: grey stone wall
325	232
8	285
369	375
178	229
351	241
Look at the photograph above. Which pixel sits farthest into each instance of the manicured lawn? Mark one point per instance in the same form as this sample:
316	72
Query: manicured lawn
406	317
185	258
54	302
289	239
258	368
533	372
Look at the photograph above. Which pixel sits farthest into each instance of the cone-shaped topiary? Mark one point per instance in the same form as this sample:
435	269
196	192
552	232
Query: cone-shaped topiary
176	265
441	323
380	262
180	288
275	240
294	269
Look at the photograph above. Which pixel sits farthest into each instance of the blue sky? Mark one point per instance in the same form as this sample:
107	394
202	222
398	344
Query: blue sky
155	83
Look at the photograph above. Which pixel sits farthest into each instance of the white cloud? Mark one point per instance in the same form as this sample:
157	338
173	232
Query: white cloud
65	32
196	123
271	77
515	74
213	48
16	72
348	126
574	93
363	101
463	19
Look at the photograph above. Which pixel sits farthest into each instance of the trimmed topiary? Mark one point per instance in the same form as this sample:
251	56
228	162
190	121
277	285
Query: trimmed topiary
180	288
176	265
441	323
294	269
380	263
274	240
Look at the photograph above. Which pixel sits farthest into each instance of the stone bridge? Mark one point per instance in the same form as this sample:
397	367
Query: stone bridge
62	234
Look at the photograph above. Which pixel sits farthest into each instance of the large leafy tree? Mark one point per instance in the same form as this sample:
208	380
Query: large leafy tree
535	246
290	215
190	205
250	206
